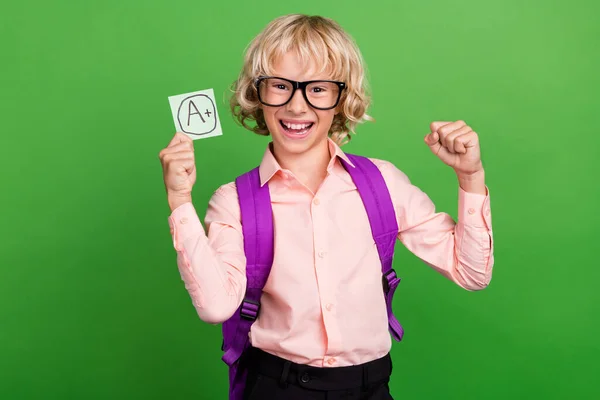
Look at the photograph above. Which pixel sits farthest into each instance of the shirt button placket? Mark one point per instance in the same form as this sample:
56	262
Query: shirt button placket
323	275
320	259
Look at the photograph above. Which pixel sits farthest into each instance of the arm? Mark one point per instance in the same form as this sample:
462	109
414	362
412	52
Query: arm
461	251
213	266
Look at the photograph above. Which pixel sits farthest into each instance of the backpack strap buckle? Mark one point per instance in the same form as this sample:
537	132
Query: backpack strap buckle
249	310
389	279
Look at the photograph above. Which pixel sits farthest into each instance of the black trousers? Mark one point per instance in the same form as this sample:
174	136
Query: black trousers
273	378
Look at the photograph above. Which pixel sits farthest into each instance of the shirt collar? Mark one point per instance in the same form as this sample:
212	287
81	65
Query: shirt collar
269	165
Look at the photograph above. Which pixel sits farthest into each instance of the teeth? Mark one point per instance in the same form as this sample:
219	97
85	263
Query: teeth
296	126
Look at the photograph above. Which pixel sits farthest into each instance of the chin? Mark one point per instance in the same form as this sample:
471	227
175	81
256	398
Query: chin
299	143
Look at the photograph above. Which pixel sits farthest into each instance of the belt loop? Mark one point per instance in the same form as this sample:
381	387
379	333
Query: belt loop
365	378
284	374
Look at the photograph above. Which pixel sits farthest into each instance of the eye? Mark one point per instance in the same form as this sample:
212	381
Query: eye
279	86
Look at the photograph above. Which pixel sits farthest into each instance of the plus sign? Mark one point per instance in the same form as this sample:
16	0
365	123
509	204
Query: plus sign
207	113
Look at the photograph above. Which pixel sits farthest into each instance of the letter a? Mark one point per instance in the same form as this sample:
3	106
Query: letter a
190	113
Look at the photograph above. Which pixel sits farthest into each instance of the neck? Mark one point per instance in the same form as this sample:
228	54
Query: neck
309	167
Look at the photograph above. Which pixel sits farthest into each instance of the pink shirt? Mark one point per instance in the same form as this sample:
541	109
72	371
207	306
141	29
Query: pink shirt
323	303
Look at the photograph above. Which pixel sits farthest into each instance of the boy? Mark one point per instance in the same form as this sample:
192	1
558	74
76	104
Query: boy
322	330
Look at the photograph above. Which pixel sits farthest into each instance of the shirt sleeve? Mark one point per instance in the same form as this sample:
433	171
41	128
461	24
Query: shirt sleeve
213	265
462	251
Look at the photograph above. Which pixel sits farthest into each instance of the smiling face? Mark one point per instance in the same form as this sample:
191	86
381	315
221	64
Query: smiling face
296	127
300	48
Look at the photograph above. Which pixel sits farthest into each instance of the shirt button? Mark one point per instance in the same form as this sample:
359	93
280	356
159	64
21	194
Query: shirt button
329	307
322	254
471	211
183	220
331	361
316	201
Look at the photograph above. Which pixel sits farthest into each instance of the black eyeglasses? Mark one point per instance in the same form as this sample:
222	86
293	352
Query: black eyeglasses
321	94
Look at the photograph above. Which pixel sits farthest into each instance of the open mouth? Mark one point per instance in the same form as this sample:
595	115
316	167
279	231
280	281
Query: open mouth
296	128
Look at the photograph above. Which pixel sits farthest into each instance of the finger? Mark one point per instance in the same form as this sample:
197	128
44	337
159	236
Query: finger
179	138
436	125
186	164
184	146
432	140
445	130
465	141
459	146
449	140
180	155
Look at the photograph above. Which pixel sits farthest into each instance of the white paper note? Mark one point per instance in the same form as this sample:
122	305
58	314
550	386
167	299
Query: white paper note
195	114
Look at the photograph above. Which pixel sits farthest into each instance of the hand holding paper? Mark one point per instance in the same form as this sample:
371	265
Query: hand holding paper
179	169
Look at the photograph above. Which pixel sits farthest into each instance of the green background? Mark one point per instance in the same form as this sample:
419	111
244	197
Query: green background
91	303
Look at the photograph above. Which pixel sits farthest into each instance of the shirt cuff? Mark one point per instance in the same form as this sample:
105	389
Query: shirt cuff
474	209
184	223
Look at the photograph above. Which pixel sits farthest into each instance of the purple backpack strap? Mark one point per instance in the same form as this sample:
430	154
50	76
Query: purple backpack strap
257	229
382	217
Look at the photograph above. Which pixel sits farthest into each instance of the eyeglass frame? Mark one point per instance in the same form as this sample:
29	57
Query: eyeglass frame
300	85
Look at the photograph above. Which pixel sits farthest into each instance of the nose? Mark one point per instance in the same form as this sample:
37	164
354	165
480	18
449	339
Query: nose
297	104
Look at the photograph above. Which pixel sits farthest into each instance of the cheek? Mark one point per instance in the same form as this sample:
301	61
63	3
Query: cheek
326	118
270	115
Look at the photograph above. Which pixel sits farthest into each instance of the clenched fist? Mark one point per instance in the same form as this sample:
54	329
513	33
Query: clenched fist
179	169
456	145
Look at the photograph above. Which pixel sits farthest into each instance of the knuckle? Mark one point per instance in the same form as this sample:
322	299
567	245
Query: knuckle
444	130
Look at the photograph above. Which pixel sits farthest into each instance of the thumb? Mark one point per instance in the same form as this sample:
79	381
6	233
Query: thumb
433	141
189	166
432	138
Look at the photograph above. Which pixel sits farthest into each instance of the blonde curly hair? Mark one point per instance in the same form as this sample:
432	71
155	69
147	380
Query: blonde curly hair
314	39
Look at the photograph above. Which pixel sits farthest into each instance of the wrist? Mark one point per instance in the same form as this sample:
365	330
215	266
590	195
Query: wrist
473	182
176	200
